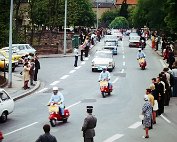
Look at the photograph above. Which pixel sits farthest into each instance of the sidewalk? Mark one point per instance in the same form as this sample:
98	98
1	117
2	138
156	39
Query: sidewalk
17	92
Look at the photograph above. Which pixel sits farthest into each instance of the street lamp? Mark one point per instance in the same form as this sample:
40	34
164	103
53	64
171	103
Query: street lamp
65	28
10	46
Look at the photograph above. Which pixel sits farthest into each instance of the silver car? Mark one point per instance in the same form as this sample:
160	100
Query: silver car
103	58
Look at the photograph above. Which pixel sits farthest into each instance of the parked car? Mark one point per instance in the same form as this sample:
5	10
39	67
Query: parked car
111	45
7	105
134	40
101	59
22	49
4	63
15	57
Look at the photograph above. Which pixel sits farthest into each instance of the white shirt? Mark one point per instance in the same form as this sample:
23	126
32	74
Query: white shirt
76	53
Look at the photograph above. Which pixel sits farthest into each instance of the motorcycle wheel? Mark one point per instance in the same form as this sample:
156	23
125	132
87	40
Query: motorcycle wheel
103	94
53	122
65	120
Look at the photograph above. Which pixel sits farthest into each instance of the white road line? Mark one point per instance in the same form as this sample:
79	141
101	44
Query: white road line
113	138
78	67
20	129
115	80
122	70
83	63
64	77
163	64
123	56
165	118
123	63
54	83
135	125
42	90
72	71
73	105
86	58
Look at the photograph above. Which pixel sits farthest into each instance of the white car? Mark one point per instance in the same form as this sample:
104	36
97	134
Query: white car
134	40
6	105
111	37
103	58
22	49
111	45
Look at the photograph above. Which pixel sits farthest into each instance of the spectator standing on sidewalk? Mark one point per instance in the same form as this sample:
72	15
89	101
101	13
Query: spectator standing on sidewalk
37	67
47	137
147	112
157	42
76	54
174	73
153	40
31	72
171	58
26	75
87	46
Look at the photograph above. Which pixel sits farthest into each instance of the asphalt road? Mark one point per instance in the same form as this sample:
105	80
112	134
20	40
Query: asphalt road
118	114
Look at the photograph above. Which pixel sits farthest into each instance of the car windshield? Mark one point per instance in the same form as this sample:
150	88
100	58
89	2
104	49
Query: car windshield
103	55
110	43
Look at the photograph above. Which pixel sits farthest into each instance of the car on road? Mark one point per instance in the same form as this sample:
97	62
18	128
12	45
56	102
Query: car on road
22	49
6	105
111	45
134	40
112	38
4	63
103	58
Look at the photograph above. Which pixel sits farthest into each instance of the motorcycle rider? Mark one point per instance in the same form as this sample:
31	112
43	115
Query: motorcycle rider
140	54
57	98
105	76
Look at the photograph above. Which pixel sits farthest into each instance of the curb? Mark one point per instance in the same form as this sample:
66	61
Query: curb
28	92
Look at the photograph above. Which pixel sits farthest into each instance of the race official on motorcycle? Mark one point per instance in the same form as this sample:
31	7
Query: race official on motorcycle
104	75
140	54
57	98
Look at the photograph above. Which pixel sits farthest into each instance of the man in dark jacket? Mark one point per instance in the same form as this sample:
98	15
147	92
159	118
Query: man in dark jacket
47	137
37	67
89	125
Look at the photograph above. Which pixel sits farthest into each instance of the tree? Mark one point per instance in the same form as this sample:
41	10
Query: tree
171	19
108	17
124	9
119	23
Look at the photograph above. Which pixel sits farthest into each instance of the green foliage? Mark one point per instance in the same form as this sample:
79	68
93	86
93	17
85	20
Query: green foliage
119	23
107	17
124	9
171	19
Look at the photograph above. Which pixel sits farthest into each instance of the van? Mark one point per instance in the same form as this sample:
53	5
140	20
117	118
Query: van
6	105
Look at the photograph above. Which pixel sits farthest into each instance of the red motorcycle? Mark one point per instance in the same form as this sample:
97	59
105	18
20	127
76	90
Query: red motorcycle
55	115
105	88
142	63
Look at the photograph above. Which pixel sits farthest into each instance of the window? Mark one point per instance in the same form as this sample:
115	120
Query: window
4	96
21	47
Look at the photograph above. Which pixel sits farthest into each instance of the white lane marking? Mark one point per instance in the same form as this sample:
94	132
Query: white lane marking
73	105
122	70
42	90
20	129
86	58
163	64
115	80
113	138
78	67
165	118
54	83
64	77
72	71
135	125
123	56
83	63
123	63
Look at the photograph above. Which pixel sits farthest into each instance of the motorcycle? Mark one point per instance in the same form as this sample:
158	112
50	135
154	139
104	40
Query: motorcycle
105	88
142	63
142	44
55	115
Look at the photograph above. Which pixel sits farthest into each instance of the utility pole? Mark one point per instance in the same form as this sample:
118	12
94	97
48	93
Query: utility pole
97	14
65	28
10	46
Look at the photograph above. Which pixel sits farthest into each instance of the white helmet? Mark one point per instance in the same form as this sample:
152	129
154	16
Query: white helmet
55	88
139	49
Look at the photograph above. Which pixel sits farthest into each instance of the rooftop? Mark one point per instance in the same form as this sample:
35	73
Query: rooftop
129	2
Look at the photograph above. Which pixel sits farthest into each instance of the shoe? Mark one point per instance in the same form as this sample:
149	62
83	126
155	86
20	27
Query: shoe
145	137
